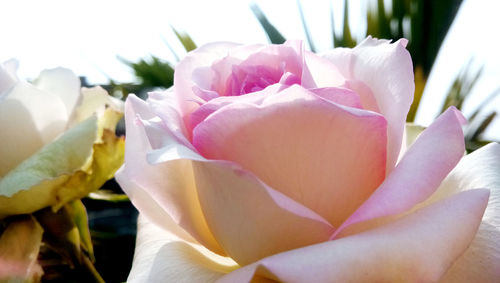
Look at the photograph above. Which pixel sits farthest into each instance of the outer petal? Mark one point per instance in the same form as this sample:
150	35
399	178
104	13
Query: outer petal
29	118
171	185
334	156
383	70
63	83
419	173
419	247
162	257
481	261
251	220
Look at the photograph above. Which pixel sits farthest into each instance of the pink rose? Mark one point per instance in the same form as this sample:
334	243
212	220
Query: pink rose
271	162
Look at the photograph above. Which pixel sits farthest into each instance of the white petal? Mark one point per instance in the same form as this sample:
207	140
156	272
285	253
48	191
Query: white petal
95	100
29	118
8	77
161	257
480	169
63	83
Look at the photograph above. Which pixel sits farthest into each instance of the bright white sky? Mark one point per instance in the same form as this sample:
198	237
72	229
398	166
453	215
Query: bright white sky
86	36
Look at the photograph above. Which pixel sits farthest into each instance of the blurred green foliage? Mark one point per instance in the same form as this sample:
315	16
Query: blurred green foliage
273	34
153	72
185	40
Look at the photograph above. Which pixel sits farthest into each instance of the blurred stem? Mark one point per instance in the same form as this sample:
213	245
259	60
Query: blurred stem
91	271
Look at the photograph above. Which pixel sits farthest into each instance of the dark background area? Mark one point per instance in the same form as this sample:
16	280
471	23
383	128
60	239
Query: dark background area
113	229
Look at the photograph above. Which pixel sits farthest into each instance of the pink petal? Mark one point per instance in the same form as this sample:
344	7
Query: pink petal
342	96
385	71
419	247
251	220
170	184
202	57
368	100
426	163
287	56
165	106
328	157
200	114
264	67
320	72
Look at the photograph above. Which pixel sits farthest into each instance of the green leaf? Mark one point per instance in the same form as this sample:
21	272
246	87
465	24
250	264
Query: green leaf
185	39
272	33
